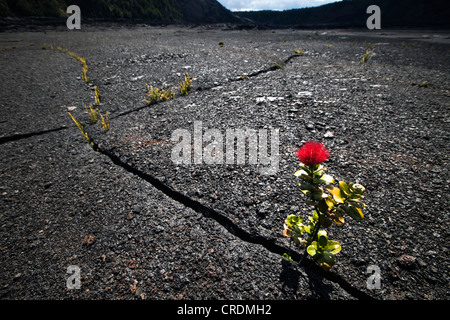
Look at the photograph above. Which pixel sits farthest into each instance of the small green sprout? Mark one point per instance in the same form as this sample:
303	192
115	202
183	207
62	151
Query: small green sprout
153	93
85	69
97	94
93	114
366	56
424	84
81	128
157	95
185	86
167	95
105	122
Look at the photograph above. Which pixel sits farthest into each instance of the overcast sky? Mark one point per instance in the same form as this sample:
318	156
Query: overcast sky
244	5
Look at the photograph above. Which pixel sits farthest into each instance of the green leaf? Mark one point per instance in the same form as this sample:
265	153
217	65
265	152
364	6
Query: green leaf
285	255
299	229
317	194
306	186
305	192
315	216
339	216
337	196
354	212
306	168
322	233
344	188
330	202
318	168
300	172
322	206
356	188
356	203
333	247
328	258
322	238
307	229
325	259
326	178
293	220
312	249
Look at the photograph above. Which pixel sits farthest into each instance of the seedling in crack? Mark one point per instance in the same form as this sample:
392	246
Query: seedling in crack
97	94
153	93
81	128
366	56
185	86
84	76
93	114
105	121
85	69
83	132
167	95
424	84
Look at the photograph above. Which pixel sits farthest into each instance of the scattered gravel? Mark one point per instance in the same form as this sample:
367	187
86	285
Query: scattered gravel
143	227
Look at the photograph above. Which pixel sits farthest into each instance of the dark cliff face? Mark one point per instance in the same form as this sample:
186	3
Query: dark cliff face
164	11
204	11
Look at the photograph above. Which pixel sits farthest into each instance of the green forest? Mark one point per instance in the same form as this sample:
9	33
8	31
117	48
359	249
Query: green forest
352	13
132	9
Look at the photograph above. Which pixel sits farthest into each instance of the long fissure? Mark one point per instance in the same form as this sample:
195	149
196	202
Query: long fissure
225	222
207	212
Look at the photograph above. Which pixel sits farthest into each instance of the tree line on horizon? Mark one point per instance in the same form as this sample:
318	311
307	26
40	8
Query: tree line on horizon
352	13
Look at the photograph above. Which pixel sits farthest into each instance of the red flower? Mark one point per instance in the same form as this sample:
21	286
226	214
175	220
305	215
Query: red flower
312	153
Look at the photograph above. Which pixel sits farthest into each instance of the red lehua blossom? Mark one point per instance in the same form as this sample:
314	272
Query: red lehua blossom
312	153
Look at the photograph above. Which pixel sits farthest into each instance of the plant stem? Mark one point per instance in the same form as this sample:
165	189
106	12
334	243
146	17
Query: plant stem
314	234
316	227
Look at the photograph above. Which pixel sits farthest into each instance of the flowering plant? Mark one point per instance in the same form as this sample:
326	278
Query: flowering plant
329	207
